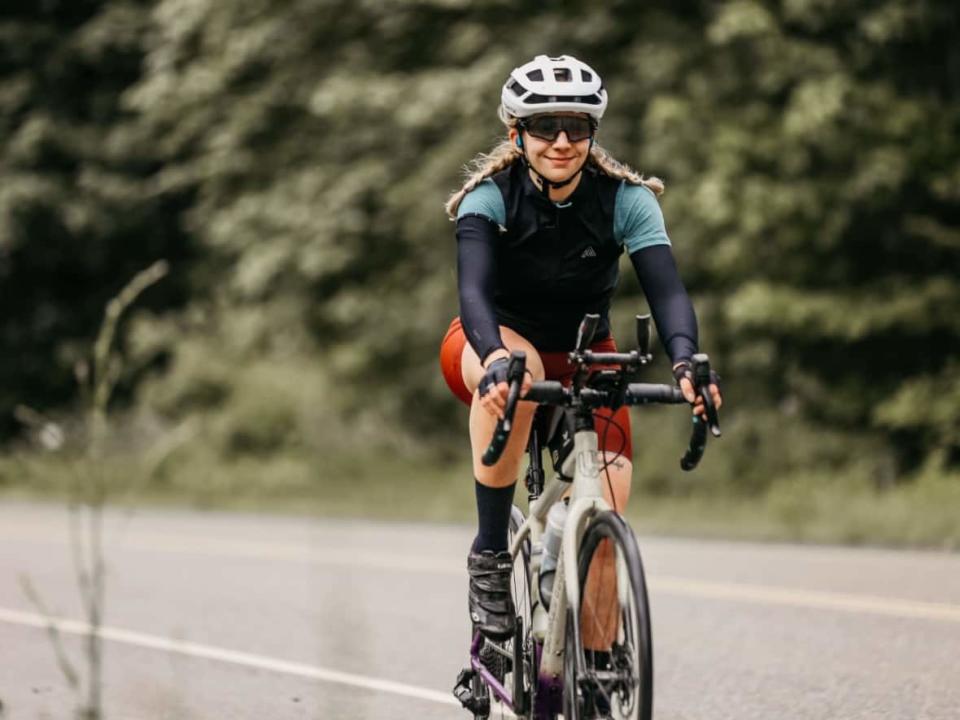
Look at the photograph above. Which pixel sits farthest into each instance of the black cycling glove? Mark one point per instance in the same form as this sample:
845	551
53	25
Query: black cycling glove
684	369
496	373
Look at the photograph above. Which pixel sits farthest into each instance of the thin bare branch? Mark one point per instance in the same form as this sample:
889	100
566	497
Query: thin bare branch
88	494
63	662
78	551
105	369
115	308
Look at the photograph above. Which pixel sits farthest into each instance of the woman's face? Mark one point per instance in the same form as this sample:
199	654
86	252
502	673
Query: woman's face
556	160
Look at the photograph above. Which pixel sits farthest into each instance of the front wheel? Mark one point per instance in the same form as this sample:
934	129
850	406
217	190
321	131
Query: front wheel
608	668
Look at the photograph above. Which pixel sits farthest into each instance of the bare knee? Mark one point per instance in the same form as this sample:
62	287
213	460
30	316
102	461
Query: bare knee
620	472
482	425
507	469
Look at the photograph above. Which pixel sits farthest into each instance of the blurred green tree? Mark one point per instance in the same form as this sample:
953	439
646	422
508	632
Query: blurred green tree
820	198
810	150
78	213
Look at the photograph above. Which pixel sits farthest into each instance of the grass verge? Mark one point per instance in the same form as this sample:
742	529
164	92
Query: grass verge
818	509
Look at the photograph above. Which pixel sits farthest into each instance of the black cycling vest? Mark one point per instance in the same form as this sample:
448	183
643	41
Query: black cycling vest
555	263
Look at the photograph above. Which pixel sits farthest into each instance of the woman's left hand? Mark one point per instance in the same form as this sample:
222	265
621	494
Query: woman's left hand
686	387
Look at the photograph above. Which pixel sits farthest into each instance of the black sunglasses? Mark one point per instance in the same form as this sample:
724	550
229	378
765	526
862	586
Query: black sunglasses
548	127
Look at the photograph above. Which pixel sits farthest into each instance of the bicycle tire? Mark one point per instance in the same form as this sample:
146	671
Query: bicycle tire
621	685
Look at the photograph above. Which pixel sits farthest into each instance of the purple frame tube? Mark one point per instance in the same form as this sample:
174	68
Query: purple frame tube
488	677
549	690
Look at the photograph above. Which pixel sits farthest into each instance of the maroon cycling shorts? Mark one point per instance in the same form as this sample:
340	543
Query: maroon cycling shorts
557	367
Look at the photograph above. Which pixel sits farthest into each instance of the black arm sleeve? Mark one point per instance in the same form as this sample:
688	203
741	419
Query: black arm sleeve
668	300
476	272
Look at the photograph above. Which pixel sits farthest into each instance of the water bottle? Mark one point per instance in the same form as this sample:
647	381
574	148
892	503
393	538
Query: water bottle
552	537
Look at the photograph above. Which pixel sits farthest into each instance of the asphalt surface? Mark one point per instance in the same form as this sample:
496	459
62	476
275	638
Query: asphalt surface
212	615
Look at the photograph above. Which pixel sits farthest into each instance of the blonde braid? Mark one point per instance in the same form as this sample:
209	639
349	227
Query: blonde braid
609	165
483	166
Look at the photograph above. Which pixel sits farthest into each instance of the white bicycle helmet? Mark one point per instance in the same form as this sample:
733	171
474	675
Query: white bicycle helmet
548	84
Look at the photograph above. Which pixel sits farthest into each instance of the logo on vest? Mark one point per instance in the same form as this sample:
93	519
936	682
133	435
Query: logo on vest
589	252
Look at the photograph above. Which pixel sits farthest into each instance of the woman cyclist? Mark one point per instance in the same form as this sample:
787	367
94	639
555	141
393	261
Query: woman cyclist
540	226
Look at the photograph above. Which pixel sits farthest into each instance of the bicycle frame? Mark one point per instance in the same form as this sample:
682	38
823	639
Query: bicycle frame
605	388
586	499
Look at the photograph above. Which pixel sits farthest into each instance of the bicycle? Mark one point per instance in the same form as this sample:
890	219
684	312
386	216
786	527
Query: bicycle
546	668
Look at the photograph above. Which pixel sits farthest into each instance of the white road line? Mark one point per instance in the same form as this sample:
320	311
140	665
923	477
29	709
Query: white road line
768	595
234	657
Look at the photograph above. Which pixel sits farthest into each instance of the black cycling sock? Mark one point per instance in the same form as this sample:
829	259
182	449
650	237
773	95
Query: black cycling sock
493	517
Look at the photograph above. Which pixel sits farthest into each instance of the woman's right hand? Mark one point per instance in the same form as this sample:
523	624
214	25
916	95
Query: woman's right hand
493	388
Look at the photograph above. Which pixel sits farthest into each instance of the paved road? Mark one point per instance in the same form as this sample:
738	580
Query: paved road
238	616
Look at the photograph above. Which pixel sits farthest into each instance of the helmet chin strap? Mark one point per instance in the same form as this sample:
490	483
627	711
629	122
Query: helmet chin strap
546	184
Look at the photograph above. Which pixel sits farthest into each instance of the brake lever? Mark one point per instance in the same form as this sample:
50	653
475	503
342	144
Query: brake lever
698	437
701	379
515	370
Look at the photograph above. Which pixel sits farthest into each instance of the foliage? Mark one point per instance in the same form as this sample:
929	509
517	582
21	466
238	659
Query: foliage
78	213
292	160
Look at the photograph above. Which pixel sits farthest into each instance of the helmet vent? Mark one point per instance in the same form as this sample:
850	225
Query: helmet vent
541	99
562	74
517	88
535	75
585	76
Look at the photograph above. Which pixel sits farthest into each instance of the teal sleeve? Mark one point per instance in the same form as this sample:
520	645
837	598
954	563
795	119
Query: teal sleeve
485	199
637	218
